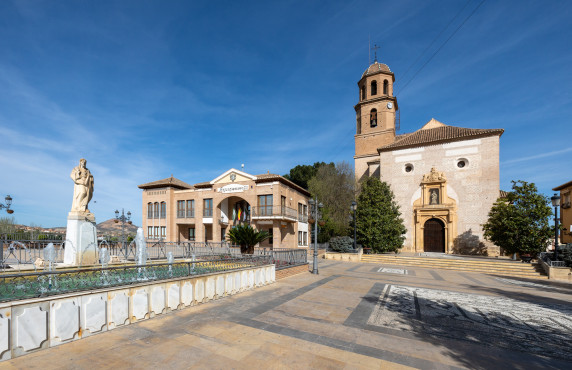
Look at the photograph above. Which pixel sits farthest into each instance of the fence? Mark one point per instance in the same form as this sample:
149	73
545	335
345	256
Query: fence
285	257
26	252
547	258
46	283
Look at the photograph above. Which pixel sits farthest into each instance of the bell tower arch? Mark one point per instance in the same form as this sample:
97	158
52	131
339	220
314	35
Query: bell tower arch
375	118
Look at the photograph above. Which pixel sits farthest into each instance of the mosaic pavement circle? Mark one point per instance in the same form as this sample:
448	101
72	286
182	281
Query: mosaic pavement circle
542	329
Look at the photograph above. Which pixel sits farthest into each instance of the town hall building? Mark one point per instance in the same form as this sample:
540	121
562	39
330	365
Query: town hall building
205	212
445	178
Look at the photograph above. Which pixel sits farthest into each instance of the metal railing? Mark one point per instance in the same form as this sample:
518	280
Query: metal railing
547	258
285	257
274	211
47	283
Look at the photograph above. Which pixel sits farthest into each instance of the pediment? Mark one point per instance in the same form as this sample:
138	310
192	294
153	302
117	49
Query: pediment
232	176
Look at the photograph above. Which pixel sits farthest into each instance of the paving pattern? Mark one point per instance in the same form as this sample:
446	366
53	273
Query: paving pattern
389	270
351	315
544	329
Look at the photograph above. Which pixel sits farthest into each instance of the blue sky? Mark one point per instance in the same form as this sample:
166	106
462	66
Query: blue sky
146	89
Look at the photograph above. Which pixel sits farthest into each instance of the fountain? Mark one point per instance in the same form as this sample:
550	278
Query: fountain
50	256
141	245
104	257
11	251
170	260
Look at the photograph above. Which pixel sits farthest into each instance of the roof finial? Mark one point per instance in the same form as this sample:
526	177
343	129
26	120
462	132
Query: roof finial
375	47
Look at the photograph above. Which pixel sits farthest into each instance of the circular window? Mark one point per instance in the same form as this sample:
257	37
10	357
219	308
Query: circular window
462	163
408	167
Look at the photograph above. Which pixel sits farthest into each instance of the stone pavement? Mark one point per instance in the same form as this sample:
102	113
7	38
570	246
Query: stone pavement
351	315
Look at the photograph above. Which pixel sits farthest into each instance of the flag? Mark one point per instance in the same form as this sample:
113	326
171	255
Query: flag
239	213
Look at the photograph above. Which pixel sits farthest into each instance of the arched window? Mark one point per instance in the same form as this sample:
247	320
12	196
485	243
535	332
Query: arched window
373	87
363	92
156	210
163	209
373	118
149	210
385	87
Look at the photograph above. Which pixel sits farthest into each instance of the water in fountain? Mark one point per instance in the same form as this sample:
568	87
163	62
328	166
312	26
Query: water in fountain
170	260
18	259
50	256
141	253
104	257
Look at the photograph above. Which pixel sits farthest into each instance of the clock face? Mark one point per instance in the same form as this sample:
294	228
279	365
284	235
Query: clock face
389	105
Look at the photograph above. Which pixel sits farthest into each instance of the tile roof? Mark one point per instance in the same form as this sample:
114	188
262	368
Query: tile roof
437	135
563	186
376	67
169	181
271	177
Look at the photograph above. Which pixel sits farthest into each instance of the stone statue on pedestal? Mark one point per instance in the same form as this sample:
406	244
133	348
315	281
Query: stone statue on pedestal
81	233
83	188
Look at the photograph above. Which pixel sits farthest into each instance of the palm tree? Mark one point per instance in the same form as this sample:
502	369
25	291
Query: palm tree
246	237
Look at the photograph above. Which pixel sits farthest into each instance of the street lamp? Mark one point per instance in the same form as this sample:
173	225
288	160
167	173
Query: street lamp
556	203
124	219
354	207
8	200
315	208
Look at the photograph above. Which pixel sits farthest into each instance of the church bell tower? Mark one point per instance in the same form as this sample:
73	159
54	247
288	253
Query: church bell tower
375	118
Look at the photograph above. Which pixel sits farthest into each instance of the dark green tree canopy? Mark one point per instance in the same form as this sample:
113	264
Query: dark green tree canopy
301	174
519	223
247	237
379	225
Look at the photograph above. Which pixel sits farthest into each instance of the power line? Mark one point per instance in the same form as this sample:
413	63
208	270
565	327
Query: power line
343	147
441	47
435	39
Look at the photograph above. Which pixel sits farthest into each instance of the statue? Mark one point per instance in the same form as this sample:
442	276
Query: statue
83	187
434	197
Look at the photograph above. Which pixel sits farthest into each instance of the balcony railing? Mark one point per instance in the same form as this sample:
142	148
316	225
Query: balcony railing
207	212
279	212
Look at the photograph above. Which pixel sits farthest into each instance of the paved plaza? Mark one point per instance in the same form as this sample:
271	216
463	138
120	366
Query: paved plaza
351	315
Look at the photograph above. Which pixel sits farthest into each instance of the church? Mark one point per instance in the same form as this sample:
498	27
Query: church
445	178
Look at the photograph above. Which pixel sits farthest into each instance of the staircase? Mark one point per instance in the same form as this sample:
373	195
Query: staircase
465	264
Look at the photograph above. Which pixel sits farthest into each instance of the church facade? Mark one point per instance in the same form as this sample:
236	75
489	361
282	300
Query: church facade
445	178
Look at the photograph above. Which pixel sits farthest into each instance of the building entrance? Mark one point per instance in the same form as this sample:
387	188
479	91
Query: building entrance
434	236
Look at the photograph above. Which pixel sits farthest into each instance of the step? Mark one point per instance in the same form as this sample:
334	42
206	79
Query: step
505	268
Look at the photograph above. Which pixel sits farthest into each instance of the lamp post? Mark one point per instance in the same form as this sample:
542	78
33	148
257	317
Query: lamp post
124	219
354	207
315	212
8	200
556	203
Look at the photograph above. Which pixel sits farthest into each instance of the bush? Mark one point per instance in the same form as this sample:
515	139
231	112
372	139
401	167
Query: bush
565	253
341	244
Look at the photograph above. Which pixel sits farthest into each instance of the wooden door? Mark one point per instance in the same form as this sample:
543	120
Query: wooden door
434	236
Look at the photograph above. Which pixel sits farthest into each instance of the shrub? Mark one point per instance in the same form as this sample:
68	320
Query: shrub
341	244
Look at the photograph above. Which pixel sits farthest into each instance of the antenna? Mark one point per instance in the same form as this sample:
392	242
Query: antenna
369	47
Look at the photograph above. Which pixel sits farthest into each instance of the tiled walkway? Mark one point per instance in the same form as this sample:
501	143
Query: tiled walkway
351	315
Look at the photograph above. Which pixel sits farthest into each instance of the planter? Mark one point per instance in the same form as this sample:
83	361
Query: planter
321	223
526	258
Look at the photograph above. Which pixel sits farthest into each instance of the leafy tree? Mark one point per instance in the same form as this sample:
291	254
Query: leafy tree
301	174
245	236
7	225
379	225
519	223
334	187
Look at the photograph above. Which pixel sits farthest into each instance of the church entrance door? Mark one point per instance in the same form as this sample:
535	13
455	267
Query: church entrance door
434	236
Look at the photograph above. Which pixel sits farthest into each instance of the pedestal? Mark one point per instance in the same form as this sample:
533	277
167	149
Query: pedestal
81	240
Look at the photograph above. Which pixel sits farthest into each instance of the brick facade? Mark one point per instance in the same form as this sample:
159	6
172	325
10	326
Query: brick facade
284	217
